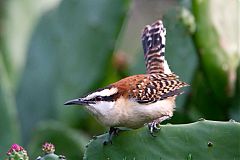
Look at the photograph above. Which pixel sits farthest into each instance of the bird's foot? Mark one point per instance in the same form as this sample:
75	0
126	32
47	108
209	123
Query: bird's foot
112	132
154	126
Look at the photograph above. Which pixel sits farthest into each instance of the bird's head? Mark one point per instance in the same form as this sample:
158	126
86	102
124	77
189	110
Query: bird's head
105	95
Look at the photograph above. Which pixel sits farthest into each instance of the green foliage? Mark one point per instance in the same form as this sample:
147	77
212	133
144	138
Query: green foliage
213	94
214	60
18	20
68	142
199	141
235	106
203	99
9	125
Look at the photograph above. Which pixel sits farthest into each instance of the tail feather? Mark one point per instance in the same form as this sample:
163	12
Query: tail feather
153	41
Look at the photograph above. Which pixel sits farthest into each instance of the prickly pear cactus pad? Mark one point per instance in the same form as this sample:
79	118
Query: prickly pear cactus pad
201	140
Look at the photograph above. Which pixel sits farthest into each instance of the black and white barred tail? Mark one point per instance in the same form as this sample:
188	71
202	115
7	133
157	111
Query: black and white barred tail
153	41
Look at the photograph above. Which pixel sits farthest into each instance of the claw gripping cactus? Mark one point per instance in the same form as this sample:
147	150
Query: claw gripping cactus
17	152
49	154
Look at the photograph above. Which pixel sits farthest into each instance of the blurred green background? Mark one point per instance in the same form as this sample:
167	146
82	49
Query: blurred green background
55	50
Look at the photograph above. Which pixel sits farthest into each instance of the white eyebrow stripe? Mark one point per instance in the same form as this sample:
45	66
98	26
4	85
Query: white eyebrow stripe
105	92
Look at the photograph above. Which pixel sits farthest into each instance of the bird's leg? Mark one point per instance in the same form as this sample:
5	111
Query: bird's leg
152	126
112	132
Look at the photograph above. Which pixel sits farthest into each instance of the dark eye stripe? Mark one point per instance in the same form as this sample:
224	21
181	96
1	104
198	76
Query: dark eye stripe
108	98
98	98
104	98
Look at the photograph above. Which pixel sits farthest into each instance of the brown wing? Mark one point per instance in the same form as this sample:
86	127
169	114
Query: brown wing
153	41
150	88
159	87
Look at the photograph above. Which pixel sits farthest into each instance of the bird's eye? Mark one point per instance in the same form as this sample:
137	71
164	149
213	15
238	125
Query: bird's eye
98	98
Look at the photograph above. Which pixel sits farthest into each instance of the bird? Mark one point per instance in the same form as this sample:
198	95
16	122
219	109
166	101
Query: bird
140	99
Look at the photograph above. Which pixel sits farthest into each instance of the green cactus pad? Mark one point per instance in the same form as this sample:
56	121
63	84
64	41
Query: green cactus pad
51	156
201	140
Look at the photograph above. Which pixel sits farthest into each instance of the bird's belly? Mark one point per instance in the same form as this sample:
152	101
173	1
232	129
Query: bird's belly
132	114
142	114
135	115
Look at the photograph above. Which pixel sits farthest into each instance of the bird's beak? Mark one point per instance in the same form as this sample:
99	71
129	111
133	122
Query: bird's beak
78	101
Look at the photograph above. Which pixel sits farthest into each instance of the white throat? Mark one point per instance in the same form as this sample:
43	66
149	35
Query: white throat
101	108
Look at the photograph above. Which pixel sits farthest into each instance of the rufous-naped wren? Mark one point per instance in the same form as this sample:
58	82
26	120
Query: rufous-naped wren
140	99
